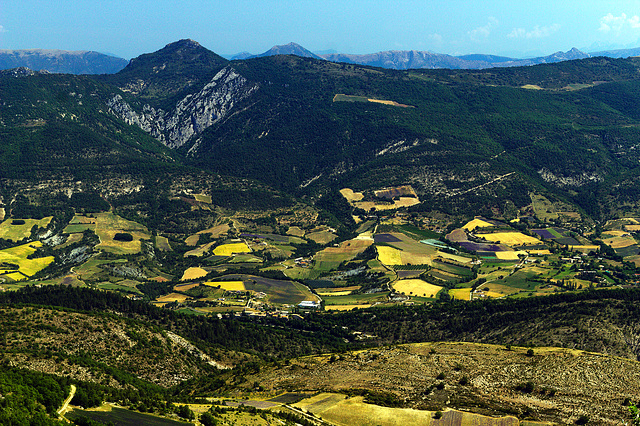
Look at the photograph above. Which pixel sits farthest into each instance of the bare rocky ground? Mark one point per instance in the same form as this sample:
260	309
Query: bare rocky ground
554	385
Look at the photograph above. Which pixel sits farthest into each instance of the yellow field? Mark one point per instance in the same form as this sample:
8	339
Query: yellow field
341	410
460	293
540	252
531	87
510	238
477	223
350	195
334	293
585	248
416	287
614	233
231	248
389	255
345	307
632	228
16	276
1	213
18	232
618	239
18	255
228	285
193	273
510	255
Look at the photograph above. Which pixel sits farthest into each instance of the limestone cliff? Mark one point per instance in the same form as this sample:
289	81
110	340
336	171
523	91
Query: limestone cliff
193	114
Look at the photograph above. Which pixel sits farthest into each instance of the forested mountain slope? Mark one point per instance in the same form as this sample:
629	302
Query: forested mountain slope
466	140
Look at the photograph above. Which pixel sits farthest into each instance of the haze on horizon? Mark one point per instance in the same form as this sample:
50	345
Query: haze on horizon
456	27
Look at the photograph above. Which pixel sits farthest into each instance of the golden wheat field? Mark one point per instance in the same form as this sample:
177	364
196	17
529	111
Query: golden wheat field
416	287
193	273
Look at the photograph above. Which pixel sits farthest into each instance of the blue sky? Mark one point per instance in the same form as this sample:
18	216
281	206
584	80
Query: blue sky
512	28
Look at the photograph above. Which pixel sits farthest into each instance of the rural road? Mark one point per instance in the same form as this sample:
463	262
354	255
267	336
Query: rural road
62	409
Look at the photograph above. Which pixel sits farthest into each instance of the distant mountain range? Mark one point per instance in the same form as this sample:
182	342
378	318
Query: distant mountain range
62	61
414	59
90	62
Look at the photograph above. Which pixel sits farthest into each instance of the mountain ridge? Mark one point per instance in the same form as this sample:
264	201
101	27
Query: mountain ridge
62	61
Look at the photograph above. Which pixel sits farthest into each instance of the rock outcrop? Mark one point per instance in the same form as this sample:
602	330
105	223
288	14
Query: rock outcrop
193	114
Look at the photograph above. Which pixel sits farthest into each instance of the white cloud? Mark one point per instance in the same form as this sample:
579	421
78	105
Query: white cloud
536	32
482	33
2	30
618	25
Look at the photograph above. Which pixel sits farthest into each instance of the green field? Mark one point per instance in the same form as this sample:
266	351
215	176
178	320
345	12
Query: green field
91	271
78	228
162	243
9	231
109	224
355	299
122	417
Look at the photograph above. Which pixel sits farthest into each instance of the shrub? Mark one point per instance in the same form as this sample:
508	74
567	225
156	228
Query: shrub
582	420
123	236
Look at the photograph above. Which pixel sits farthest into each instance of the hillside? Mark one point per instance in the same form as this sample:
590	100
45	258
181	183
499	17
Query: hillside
558	139
552	385
458	137
123	346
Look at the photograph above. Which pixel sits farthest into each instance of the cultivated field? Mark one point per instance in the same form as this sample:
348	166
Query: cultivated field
342	410
510	238
200	251
322	237
193	273
16	232
510	255
216	231
91	270
162	243
416	287
18	256
345	307
461	293
230	249
192	240
329	258
476	223
172	297
108	225
227	285
389	255
350	195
